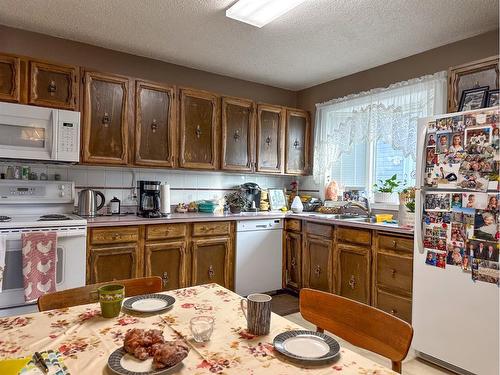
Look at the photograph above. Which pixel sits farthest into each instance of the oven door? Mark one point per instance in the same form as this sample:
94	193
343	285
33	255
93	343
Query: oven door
27	132
70	266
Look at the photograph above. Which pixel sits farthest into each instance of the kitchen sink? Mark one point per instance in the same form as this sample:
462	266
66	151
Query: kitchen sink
362	219
349	217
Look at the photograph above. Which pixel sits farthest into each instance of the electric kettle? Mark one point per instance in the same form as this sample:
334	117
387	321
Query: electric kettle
87	202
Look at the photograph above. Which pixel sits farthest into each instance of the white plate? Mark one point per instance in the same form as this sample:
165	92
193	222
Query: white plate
306	346
149	305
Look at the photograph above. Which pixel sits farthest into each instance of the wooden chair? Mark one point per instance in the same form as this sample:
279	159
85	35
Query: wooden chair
88	293
359	324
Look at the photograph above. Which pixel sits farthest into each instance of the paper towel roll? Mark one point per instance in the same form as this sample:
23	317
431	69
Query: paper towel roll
165	199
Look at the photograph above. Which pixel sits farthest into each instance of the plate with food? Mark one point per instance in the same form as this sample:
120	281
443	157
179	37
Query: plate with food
146	352
149	303
307	346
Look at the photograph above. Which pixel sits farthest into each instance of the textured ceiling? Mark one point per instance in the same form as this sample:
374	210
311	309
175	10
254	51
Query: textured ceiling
318	41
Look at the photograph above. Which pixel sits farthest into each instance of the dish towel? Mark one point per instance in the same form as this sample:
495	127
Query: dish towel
3	250
39	263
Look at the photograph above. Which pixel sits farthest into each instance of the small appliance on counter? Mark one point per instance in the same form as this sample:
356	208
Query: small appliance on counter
149	199
87	202
252	193
311	204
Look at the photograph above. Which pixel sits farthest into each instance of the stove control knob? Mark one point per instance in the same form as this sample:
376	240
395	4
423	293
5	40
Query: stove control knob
62	187
62	194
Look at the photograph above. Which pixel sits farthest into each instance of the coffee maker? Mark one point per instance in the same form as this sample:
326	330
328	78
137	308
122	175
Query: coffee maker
149	199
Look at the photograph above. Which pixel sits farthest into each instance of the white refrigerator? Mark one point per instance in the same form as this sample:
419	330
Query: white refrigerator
455	318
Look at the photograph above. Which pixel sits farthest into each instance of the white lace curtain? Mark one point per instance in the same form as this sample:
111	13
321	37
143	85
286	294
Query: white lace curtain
389	114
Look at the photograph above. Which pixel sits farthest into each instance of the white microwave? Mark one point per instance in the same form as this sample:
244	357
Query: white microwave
38	133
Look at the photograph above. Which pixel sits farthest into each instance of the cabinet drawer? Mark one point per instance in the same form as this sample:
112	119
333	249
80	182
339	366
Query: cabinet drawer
319	229
293	225
165	231
211	229
394	304
394	271
114	235
357	236
395	243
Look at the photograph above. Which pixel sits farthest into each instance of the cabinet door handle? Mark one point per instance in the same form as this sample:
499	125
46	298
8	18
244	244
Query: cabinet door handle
198	131
165	279
115	236
394	243
296	144
154	126
106	119
317	270
268	141
211	272
293	263
394	312
236	135
393	272
52	88
352	282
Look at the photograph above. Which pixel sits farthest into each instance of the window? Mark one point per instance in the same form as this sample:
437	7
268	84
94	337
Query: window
362	138
367	163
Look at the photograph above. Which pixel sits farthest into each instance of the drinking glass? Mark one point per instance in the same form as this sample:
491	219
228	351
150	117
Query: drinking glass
201	328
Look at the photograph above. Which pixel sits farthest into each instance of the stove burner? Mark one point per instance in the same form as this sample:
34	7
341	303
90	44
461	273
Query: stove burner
53	217
4	219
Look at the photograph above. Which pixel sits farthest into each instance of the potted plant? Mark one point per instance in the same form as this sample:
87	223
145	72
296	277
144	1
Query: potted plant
236	201
406	216
385	190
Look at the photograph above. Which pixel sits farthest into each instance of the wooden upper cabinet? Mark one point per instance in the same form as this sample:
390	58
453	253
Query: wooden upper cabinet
297	142
53	85
105	118
270	134
198	127
238	134
10	78
154	124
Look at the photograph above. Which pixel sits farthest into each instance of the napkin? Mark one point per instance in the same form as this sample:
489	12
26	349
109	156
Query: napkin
12	366
53	361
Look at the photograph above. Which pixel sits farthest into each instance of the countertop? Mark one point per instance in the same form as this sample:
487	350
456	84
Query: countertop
189	217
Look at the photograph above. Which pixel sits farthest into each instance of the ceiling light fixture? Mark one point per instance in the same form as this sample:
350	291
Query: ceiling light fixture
260	12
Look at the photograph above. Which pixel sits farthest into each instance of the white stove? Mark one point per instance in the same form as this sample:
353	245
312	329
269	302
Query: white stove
32	206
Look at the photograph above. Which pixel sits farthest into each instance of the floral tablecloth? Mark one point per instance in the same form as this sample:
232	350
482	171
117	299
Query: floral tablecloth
85	339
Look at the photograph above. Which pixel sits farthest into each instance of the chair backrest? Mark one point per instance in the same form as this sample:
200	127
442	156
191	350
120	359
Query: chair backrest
88	293
359	324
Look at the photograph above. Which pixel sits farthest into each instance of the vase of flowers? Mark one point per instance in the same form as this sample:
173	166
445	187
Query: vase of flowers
406	215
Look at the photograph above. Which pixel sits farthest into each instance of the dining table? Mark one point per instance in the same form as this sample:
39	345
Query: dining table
84	339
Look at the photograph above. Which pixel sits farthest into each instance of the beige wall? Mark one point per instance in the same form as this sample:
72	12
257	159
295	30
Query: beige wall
64	51
434	60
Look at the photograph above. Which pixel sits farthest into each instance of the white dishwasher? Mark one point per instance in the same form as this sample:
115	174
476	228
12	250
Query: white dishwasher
258	256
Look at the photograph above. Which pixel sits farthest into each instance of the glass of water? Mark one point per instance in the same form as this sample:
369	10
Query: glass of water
201	328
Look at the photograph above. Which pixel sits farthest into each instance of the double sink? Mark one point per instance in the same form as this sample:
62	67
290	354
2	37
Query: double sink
347	217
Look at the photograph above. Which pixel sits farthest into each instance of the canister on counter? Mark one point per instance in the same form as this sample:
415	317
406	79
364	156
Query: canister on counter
114	206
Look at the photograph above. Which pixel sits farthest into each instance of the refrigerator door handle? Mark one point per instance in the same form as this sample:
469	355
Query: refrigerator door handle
418	220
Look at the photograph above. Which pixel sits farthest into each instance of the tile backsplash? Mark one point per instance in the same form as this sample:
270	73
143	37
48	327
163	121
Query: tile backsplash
186	186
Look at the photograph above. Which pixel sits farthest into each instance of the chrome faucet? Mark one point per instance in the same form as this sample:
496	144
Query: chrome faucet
366	207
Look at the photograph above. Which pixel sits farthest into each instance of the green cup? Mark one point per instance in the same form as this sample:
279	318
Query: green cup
111	298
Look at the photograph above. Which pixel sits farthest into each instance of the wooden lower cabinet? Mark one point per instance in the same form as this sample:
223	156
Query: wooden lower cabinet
168	260
293	261
114	262
393	274
317	263
212	261
353	278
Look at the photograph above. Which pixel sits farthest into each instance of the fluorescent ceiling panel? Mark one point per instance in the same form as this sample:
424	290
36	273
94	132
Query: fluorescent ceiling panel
260	12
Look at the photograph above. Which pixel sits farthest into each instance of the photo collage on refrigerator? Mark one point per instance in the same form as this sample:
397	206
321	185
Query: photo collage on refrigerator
462	228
